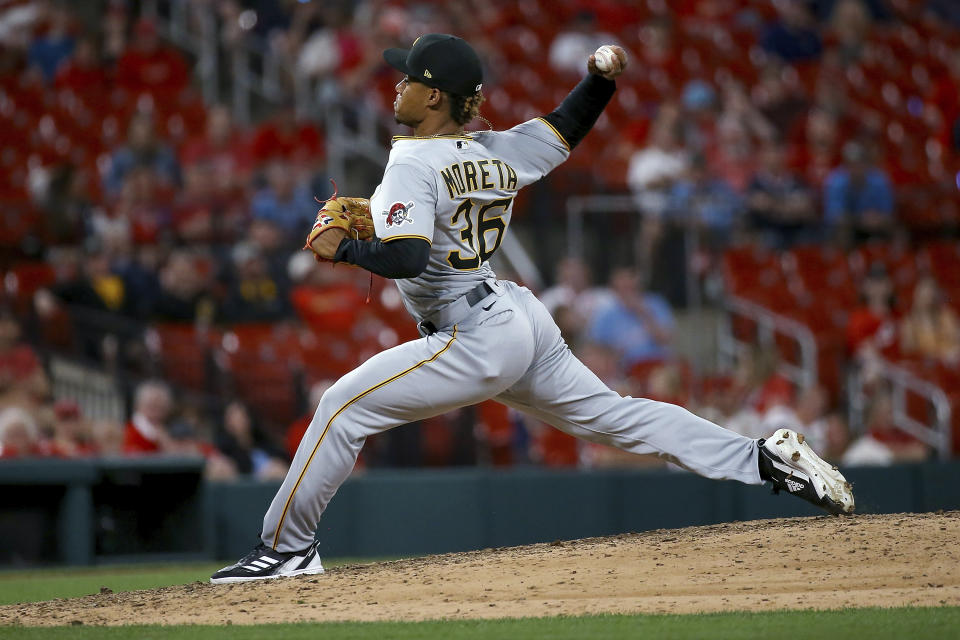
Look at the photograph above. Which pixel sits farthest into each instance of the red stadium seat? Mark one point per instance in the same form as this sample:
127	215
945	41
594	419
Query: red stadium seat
751	268
184	355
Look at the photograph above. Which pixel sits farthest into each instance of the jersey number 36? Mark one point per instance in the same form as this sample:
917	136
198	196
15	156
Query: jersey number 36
485	224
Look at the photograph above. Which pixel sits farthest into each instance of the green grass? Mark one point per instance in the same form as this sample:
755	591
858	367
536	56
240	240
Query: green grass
875	624
47	584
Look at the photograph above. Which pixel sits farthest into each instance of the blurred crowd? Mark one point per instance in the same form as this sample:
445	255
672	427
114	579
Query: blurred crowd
130	206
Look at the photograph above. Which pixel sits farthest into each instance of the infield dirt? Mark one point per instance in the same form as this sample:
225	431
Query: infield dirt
802	563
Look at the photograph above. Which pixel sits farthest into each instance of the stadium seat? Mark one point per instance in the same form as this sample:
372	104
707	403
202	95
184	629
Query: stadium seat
184	355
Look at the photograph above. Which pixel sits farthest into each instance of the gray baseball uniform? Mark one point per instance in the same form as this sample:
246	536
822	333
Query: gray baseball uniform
484	338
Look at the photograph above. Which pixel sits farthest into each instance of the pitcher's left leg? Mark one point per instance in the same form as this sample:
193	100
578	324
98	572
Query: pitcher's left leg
563	392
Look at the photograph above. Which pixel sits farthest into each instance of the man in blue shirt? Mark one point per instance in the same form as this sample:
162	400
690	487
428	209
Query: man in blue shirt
857	198
638	325
283	201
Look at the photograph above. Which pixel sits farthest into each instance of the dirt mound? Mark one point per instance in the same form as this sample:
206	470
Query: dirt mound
816	563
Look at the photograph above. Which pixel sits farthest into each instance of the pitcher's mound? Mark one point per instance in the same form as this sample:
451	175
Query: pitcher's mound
802	563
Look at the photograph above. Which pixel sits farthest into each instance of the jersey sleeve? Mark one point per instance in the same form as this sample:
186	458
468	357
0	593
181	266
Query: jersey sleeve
542	146
404	204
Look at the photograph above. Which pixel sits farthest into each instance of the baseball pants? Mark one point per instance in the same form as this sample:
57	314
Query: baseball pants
511	351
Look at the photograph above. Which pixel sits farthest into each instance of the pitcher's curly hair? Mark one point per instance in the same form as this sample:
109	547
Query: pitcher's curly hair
463	109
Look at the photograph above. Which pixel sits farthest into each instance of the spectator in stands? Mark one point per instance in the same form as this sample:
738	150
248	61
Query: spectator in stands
328	44
144	203
884	443
851	24
779	205
142	150
754	389
22	378
657	52
241	441
637	324
108	437
95	288
149	67
858	199
275	247
931	328
284	202
184	293
205	213
793	36
656	166
148	429
699	121
82	73
283	137
49	50
19	436
731	158
653	171
72	434
808	415
322	298
253	296
571	47
573	298
113	33
223	152
138	267
706	204
781	103
817	155
872	327
68	204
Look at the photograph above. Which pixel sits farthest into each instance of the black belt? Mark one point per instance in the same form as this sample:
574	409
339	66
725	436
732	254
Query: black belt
475	295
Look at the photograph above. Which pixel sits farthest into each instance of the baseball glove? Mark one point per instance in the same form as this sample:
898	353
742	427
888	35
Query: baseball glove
350	214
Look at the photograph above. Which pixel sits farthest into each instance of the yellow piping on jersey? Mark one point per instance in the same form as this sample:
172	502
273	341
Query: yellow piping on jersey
557	133
445	136
286	506
392	238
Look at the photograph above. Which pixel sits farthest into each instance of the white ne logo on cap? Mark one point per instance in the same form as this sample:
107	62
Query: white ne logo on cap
478	87
427	74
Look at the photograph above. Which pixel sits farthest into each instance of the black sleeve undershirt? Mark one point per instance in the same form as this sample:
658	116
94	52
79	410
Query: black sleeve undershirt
579	111
401	258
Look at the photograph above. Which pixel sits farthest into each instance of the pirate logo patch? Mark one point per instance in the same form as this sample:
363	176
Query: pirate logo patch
398	213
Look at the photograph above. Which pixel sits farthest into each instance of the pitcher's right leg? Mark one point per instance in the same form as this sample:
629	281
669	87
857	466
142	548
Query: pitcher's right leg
392	388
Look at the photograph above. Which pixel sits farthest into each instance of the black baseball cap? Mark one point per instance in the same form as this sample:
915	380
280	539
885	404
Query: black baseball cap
441	61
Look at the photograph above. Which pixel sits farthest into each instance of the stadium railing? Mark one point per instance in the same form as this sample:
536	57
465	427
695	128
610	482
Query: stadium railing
769	325
911	394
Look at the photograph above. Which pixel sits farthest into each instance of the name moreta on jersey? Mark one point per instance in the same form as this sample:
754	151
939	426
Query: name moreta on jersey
476	175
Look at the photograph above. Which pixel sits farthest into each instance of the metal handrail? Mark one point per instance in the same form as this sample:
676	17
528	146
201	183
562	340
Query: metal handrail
578	206
939	436
769	323
194	29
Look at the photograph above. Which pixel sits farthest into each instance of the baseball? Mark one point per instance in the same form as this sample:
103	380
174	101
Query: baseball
604	57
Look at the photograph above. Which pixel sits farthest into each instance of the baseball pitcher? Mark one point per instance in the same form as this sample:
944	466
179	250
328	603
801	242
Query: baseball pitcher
439	214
